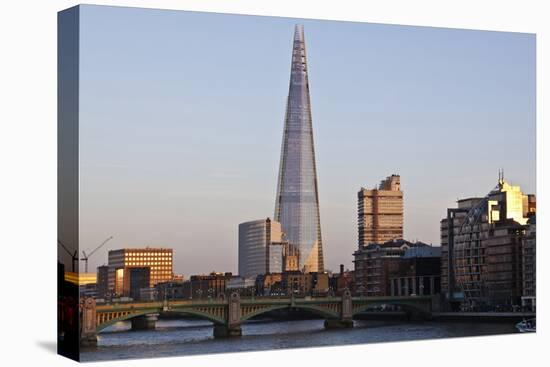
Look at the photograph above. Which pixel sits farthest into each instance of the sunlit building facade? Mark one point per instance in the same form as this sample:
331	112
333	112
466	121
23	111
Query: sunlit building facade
297	201
122	261
81	278
86	282
380	212
483	245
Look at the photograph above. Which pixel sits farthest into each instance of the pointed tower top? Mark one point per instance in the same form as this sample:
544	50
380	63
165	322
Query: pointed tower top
298	32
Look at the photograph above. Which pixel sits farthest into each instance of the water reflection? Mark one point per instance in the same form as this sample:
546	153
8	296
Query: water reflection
189	337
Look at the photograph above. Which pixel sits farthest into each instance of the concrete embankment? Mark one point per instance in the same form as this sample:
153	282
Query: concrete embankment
484	316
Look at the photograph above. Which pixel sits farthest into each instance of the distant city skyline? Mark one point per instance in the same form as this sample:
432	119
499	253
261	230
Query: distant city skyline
181	116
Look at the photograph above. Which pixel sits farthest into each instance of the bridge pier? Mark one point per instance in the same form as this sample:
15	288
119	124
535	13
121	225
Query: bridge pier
88	334
338	324
346	314
145	322
88	341
232	327
225	331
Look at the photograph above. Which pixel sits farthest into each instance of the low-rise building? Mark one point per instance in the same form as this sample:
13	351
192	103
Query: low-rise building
178	278
242	285
197	287
341	281
375	263
418	272
269	284
305	284
148	294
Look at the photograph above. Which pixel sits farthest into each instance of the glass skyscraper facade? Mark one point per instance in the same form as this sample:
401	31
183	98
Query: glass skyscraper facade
297	202
256	255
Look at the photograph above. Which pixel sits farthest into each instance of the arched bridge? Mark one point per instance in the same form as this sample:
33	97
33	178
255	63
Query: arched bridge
228	314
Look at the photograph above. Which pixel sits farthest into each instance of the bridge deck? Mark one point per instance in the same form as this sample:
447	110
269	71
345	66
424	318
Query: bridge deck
266	301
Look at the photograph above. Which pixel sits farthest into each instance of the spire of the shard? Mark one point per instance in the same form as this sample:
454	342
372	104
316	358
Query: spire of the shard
297	202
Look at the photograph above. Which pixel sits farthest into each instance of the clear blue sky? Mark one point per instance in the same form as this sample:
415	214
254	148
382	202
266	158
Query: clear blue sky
182	117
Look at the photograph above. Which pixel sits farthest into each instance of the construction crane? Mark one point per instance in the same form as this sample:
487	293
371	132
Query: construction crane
74	255
86	257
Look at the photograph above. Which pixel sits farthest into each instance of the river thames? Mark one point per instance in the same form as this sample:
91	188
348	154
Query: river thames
191	337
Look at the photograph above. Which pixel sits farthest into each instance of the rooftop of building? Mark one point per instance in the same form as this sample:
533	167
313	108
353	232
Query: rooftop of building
499	206
212	275
422	251
396	243
469	199
390	183
138	249
257	221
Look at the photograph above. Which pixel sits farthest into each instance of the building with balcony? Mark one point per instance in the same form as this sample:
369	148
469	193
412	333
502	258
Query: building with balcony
483	249
380	212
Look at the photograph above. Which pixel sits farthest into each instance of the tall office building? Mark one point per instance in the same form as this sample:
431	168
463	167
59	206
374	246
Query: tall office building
260	247
297	202
380	212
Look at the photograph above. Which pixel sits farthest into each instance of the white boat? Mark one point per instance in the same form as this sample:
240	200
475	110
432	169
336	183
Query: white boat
527	326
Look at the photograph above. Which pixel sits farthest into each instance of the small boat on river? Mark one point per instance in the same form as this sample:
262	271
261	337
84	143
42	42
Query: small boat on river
527	326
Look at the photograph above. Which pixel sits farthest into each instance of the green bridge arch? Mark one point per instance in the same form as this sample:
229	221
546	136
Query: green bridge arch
130	316
413	307
200	314
314	309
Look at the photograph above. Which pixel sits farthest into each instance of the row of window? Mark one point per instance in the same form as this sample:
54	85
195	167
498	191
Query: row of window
148	263
148	255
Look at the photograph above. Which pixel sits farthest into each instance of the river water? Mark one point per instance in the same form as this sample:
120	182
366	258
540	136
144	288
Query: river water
190	337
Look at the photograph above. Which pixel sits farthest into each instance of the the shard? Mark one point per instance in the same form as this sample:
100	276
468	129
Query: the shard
297	202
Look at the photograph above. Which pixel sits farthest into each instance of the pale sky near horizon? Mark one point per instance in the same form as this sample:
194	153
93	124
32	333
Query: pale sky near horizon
182	113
